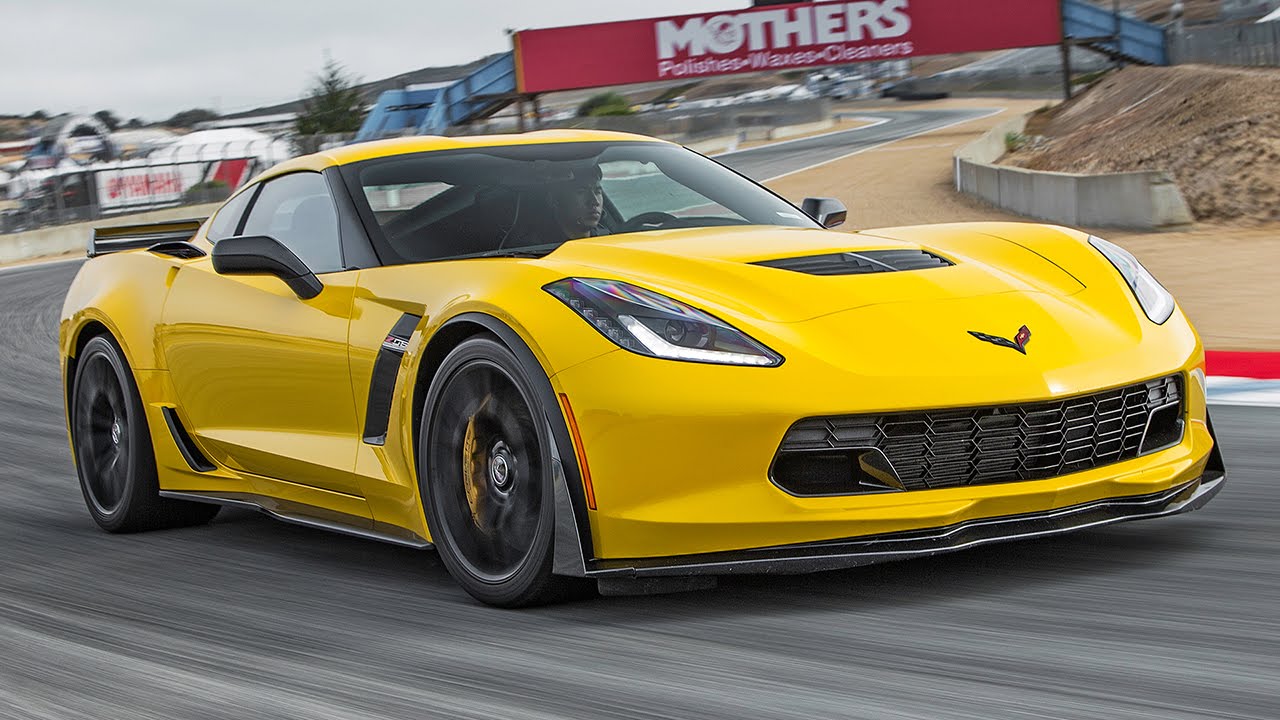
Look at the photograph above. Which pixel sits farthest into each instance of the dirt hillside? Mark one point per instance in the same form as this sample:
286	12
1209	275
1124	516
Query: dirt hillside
1216	129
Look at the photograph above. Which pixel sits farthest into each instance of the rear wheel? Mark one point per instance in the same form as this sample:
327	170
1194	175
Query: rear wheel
486	477
113	453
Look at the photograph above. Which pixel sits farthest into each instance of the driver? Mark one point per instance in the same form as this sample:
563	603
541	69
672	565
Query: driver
578	205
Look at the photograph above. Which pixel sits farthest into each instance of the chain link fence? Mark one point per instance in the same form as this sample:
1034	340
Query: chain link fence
182	174
1252	44
176	175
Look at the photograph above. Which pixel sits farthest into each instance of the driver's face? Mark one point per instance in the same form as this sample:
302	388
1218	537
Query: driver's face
581	205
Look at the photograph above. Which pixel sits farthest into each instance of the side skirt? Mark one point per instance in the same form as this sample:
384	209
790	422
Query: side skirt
297	516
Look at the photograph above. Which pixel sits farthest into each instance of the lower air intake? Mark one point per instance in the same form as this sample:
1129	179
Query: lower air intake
976	446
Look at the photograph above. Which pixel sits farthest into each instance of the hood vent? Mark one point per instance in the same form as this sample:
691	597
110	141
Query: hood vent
860	263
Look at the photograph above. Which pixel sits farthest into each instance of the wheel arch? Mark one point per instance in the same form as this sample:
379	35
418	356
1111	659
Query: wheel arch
79	337
573	545
126	293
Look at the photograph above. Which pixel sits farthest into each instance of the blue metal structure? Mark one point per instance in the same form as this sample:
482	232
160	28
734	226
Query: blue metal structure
1096	28
430	110
397	111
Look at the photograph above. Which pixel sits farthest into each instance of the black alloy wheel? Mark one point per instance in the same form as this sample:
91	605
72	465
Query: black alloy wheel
486	477
112	448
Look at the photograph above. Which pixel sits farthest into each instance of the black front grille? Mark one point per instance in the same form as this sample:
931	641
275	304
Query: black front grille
860	263
976	446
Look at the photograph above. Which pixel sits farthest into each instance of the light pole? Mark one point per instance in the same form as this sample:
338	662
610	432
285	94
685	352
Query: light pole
1115	13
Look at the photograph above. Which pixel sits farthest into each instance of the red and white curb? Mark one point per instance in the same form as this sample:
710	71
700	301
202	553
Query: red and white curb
1243	378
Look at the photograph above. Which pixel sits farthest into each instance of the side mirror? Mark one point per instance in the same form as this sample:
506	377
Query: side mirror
829	212
264	255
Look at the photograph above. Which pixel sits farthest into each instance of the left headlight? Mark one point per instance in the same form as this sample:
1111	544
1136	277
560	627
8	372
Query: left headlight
1156	302
647	323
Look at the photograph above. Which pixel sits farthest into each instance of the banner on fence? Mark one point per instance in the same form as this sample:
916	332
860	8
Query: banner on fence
157	185
775	37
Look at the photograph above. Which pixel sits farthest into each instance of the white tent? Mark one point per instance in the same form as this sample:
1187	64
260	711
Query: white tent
223	144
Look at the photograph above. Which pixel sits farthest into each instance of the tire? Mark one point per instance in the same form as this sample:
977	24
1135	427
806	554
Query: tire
112	448
485	478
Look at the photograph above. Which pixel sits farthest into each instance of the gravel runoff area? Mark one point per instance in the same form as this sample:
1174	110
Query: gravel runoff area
1222	272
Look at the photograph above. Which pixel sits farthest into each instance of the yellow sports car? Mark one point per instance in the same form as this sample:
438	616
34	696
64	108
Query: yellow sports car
572	357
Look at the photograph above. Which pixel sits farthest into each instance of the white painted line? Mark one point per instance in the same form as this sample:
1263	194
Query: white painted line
41	263
914	147
859	151
1248	400
1244	391
874	122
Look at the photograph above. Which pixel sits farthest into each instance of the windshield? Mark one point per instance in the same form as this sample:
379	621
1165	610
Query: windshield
530	199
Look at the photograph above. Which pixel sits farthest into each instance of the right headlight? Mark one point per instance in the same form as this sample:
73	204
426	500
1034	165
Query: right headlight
1156	302
648	323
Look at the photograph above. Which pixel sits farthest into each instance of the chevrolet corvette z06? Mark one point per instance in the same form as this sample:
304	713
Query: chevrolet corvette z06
571	357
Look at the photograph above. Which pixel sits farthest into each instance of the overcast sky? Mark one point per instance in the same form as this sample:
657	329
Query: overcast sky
152	58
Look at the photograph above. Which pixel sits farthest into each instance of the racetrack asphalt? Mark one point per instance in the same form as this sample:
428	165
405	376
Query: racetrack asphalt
770	161
248	618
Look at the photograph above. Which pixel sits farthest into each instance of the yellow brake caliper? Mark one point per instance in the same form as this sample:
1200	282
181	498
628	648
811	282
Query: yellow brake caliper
473	477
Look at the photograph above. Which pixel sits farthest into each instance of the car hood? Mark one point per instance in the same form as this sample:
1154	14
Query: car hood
717	268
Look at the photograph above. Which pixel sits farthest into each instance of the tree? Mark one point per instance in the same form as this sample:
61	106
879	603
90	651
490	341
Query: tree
108	118
38	115
188	118
135	123
605	103
333	104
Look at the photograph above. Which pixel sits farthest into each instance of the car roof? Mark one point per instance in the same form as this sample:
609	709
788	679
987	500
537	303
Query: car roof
358	152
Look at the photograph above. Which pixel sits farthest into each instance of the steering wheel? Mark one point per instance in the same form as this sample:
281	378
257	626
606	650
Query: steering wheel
648	221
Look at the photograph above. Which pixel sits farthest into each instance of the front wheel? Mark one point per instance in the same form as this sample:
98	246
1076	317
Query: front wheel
486	477
112	446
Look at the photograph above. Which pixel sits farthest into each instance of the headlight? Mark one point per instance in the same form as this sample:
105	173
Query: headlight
1156	302
647	323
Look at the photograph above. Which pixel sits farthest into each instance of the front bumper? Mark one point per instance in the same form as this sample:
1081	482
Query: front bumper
855	552
680	453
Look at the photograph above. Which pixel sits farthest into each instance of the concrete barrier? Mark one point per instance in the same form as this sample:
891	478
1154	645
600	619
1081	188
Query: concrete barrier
729	143
63	239
1145	199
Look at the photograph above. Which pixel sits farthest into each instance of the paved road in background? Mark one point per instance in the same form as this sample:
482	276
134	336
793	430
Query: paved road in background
1167	619
770	161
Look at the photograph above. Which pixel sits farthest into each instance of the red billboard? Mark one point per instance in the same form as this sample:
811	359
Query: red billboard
777	37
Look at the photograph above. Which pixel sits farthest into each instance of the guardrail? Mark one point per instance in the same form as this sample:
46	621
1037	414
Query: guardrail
1145	200
74	237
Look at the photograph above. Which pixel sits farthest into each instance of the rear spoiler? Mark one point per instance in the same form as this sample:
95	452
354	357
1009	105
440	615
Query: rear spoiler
119	238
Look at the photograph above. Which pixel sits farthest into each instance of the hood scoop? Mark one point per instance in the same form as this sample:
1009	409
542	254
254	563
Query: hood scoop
863	262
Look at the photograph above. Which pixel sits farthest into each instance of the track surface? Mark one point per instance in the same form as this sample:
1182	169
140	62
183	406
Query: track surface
770	161
247	618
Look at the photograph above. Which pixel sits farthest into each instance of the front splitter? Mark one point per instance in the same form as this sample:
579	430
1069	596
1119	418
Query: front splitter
854	552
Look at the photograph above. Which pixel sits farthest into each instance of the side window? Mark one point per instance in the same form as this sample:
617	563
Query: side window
228	216
297	210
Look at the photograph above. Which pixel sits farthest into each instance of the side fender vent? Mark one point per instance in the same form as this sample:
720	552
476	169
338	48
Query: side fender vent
382	385
195	459
860	263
